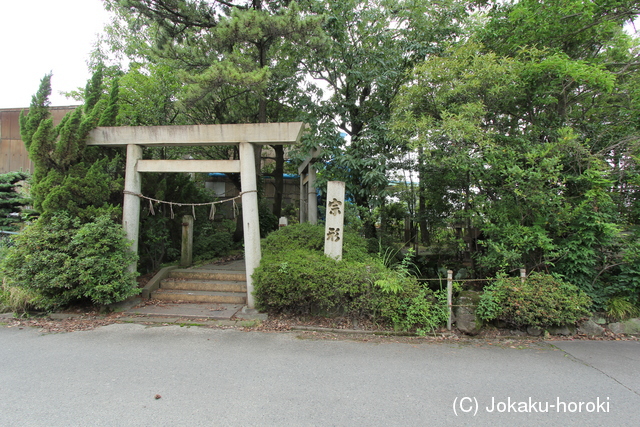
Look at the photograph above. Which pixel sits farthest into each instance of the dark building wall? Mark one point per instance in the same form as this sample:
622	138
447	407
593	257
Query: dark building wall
13	155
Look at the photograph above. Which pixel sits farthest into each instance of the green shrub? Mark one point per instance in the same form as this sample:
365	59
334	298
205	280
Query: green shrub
62	261
292	237
212	239
311	237
13	298
295	277
303	281
542	300
398	299
620	308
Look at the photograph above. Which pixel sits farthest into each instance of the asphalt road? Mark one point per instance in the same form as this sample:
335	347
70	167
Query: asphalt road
111	376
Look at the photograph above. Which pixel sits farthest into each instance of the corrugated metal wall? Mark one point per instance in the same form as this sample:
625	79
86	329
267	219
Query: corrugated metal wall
13	155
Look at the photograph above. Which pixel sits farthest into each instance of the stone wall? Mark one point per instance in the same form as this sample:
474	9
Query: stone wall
464	316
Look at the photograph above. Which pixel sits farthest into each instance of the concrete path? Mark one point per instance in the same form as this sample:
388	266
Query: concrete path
237	265
187	310
132	375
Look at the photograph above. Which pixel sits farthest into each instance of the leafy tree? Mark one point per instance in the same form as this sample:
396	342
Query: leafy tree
265	51
579	29
147	96
371	46
525	128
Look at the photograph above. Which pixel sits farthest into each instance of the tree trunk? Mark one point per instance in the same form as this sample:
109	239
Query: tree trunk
368	224
238	234
278	176
422	201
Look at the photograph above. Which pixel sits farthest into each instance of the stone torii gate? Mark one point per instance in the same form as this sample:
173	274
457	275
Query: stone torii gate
245	136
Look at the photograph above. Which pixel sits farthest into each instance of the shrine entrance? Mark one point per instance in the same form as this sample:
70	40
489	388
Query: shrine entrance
245	136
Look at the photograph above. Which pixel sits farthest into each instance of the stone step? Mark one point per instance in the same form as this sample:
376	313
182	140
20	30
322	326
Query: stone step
204	285
195	274
199	296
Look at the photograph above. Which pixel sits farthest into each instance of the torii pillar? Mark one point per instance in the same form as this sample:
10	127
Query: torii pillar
250	217
308	198
131	202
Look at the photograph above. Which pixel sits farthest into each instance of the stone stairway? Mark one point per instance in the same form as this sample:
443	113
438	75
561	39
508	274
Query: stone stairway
203	286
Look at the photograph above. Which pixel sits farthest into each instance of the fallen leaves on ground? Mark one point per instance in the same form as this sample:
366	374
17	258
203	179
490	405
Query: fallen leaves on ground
72	324
306	327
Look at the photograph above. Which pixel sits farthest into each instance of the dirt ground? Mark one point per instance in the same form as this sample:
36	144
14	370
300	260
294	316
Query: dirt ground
87	318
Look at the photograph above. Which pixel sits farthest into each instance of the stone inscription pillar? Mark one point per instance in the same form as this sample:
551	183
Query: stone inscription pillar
334	224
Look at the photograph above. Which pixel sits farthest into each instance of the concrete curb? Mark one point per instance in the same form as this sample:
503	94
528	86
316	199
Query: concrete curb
186	321
353	331
5	316
154	283
247	313
122	305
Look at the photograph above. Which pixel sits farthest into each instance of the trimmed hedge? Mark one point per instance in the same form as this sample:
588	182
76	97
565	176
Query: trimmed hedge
303	281
541	301
295	277
311	237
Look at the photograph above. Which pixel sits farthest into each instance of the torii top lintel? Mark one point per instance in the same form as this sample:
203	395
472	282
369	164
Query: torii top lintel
255	133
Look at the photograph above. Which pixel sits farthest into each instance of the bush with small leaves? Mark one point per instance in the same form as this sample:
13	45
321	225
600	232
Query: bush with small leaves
311	237
541	301
295	277
302	281
62	261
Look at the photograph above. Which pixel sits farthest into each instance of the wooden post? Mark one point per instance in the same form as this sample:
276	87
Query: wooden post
186	257
449	296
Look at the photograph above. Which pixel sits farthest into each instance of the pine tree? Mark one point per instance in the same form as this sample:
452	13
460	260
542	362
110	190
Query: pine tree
11	201
66	178
237	61
38	112
75	251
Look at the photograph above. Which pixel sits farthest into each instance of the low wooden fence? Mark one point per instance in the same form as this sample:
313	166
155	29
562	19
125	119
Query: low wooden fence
450	305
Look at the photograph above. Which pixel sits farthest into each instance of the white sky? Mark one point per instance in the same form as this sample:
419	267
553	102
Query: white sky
39	36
